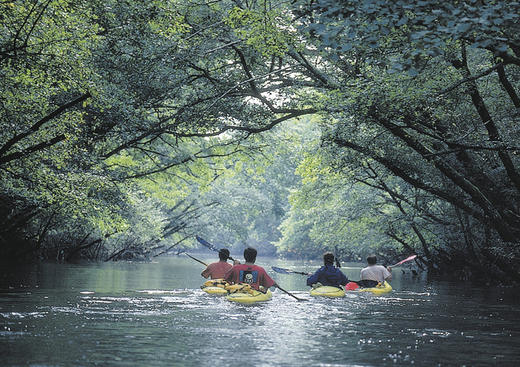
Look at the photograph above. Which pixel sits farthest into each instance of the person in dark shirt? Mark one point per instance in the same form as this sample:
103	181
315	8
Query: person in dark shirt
328	274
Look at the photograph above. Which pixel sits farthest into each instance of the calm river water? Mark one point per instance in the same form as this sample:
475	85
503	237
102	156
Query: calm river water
154	314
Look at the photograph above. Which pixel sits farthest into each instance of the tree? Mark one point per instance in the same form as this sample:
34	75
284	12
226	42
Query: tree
100	96
443	125
113	99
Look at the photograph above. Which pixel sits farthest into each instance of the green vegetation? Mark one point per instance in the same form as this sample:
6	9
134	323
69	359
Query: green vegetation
294	126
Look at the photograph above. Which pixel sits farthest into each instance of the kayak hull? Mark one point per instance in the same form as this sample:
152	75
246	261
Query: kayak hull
328	291
249	297
380	289
218	291
215	287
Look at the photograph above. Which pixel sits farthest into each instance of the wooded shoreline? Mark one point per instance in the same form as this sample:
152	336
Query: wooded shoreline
361	126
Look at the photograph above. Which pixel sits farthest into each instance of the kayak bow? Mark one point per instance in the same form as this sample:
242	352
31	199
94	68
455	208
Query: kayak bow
327	291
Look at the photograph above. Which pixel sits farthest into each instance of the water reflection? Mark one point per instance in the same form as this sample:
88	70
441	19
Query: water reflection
155	314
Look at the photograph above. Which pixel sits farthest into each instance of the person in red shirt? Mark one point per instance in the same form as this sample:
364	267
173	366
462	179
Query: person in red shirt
249	273
218	269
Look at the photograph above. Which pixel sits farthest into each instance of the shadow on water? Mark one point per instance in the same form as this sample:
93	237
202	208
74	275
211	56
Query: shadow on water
154	314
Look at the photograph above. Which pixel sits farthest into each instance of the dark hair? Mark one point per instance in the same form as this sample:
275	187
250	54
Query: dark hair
250	255
223	254
372	260
328	258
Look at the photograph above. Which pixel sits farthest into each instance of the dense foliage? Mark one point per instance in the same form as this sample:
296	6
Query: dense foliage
128	127
427	93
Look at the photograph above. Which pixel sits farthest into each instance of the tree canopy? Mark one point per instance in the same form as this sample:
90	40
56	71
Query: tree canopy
295	126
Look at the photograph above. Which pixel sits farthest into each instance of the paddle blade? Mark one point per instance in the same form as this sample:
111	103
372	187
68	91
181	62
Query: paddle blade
202	241
280	270
405	260
350	286
287	271
206	243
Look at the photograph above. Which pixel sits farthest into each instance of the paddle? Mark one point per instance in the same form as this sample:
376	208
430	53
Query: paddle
403	261
287	271
289	293
200	261
210	246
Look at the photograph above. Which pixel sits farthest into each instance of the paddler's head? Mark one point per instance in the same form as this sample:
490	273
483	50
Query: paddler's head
372	260
223	254
250	255
328	258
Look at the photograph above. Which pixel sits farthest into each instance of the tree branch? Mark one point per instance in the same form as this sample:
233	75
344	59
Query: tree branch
17	138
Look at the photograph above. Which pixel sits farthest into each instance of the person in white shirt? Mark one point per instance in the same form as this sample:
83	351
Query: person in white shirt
374	274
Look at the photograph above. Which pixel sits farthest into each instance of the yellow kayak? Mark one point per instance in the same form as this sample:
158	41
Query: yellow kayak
215	290
253	297
215	287
379	289
327	291
243	293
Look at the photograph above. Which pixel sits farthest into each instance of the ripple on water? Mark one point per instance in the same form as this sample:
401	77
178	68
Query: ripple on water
179	292
22	315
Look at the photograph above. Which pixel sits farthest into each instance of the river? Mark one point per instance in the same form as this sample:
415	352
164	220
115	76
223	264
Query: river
154	314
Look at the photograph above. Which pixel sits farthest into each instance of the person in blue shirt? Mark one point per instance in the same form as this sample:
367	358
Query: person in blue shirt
328	274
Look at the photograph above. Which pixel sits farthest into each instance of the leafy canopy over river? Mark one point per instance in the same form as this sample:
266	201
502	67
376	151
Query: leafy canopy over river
295	126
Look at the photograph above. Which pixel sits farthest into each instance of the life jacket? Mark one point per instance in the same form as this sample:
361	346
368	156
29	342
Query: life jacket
239	288
221	283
